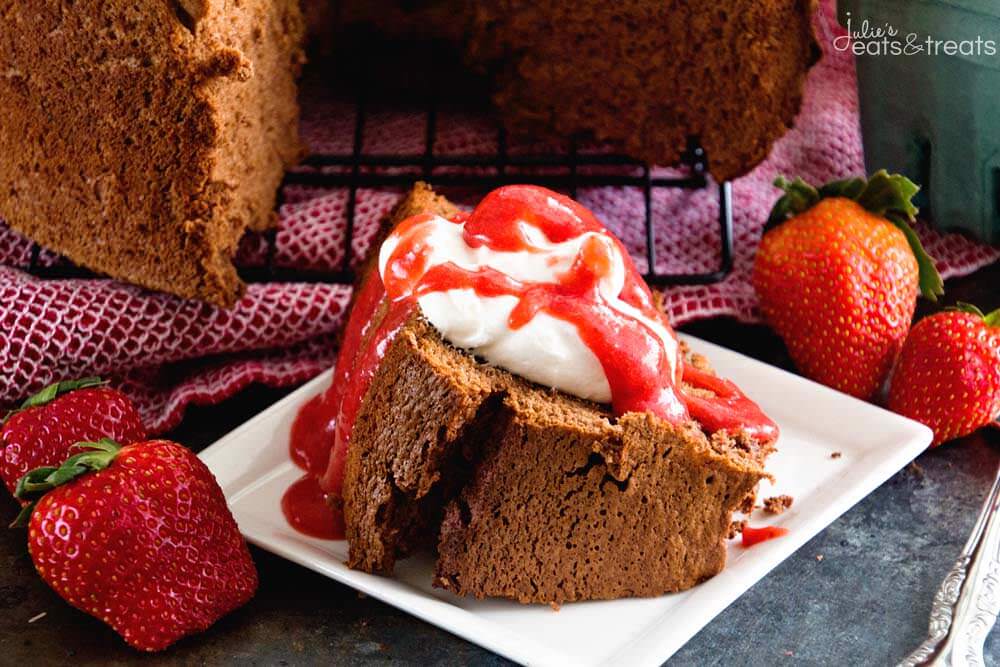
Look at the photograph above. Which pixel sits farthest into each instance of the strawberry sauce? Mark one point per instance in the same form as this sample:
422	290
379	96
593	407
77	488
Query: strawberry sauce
752	536
322	429
642	375
312	434
729	410
306	509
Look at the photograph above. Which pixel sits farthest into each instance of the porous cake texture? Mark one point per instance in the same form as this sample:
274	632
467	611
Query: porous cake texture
141	139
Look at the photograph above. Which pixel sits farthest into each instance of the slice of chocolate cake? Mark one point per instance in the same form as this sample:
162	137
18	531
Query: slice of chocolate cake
528	492
142	139
549	498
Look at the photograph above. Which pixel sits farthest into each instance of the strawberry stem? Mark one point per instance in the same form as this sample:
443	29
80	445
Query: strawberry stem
799	196
51	392
931	284
48	394
991	320
38	482
23	517
884	194
965	307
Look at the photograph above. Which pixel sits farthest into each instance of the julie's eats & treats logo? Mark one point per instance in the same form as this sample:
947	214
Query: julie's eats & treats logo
867	38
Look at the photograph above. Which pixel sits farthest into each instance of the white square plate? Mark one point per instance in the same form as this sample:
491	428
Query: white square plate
253	467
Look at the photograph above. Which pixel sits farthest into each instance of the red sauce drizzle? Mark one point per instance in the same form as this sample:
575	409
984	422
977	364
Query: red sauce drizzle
729	410
560	219
306	509
631	354
752	536
322	429
312	434
633	348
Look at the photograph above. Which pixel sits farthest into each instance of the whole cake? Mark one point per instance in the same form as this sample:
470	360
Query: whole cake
509	393
141	140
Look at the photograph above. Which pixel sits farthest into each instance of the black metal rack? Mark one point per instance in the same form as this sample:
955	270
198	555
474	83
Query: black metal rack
358	169
576	169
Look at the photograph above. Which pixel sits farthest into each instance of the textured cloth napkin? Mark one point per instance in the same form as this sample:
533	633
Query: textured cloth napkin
169	353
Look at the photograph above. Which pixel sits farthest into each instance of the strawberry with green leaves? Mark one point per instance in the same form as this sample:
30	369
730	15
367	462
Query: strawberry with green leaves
948	374
139	537
837	275
42	430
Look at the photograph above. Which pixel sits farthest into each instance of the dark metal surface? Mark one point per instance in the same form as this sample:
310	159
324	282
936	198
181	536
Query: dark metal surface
858	593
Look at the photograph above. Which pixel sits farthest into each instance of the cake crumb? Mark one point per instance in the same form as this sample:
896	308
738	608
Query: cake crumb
819	558
836	455
790	654
777	504
735	528
915	470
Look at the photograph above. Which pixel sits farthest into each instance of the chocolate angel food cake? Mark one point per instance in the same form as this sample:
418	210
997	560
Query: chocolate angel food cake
509	394
141	140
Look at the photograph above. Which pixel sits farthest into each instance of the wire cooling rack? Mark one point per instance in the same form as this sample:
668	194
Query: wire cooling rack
564	170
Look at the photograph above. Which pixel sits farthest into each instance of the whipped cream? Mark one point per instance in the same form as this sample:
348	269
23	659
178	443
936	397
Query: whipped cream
545	350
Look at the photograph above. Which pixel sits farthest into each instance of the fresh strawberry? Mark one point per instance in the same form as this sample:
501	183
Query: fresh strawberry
948	374
837	275
42	430
140	537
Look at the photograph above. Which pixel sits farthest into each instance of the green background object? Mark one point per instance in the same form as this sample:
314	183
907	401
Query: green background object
932	116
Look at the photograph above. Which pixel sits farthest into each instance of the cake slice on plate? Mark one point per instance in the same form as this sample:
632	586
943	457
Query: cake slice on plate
509	393
141	140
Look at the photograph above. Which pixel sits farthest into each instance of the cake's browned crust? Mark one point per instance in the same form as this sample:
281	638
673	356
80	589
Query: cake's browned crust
531	494
421	198
141	139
